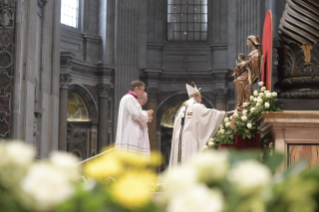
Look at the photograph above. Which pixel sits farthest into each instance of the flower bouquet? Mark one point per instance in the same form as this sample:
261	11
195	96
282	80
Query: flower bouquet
246	123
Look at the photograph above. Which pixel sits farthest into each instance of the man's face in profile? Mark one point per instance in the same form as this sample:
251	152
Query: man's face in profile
143	99
139	91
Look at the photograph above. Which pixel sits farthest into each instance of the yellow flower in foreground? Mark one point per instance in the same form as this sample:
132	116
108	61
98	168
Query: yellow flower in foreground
133	190
156	159
105	166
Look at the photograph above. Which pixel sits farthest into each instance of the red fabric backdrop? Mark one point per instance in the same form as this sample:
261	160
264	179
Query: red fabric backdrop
266	71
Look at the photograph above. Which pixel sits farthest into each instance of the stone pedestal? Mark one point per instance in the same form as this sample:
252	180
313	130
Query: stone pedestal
296	134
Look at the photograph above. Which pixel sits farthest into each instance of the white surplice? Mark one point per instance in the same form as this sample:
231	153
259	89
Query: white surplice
200	124
132	131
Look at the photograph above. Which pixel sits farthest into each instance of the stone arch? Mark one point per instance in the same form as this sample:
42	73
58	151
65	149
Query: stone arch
88	99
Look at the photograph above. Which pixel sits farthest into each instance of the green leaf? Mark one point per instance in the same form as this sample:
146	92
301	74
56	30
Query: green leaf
235	156
274	161
296	168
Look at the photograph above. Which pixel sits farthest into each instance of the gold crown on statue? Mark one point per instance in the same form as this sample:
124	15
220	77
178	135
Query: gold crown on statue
192	90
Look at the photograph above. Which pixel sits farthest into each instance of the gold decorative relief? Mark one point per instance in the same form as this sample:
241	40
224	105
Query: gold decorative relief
77	109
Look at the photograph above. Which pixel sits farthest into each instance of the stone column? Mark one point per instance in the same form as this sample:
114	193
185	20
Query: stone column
103	94
65	80
221	96
152	105
220	90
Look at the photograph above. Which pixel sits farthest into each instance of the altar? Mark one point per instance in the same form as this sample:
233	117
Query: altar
296	134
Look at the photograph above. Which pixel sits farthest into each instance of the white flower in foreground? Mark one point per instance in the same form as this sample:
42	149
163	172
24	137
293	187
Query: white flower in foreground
67	163
249	126
20	153
274	94
245	112
255	99
211	166
268	95
256	93
261	83
228	124
178	178
226	119
263	88
249	176
257	105
261	94
222	131
244	118
259	100
251	98
47	185
235	115
267	105
245	104
252	109
197	198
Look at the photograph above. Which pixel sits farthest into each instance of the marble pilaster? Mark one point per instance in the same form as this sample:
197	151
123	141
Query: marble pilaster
65	80
103	94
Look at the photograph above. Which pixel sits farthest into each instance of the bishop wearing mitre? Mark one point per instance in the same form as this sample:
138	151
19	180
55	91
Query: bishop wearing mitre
194	124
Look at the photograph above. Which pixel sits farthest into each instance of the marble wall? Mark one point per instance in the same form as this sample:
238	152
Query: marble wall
35	31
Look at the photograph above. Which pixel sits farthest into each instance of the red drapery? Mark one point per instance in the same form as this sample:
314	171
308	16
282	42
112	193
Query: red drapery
266	72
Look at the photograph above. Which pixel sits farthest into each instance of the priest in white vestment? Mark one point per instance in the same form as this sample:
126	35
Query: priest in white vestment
194	124
132	122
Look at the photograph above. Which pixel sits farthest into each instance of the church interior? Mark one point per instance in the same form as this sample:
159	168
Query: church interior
66	64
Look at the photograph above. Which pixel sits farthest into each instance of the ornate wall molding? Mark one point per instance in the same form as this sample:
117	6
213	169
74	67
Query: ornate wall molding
65	80
7	47
7	13
298	71
152	94
104	90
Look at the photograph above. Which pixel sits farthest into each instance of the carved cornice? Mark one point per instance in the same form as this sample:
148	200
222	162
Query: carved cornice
104	90
65	80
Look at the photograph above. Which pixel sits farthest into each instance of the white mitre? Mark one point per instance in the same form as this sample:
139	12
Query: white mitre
192	90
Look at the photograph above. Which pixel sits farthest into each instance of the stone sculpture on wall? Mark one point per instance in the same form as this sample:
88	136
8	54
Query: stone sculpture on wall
7	31
246	77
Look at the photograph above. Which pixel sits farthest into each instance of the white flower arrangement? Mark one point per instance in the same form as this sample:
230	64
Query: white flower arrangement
245	123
